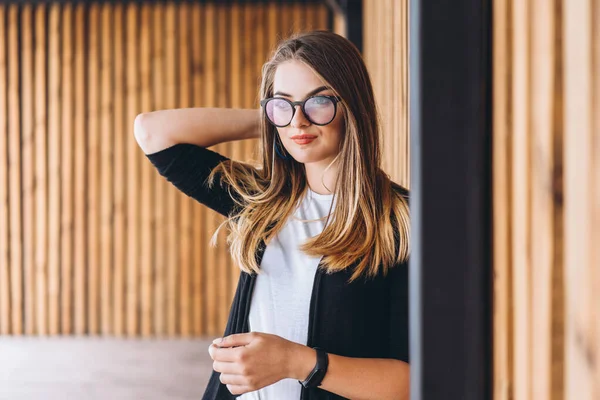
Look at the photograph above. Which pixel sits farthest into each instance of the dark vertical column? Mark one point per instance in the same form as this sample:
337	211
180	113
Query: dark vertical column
450	271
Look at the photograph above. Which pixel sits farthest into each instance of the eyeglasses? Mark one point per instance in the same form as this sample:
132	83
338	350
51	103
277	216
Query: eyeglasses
319	109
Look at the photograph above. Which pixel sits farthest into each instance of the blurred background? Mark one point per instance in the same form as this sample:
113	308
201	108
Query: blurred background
94	243
108	288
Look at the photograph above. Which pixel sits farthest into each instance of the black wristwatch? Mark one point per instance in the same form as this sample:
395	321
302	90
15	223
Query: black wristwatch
316	376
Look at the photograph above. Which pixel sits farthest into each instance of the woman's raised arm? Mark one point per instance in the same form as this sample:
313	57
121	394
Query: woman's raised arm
204	127
176	142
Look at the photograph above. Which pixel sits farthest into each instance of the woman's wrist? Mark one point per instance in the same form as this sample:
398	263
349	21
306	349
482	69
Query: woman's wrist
302	361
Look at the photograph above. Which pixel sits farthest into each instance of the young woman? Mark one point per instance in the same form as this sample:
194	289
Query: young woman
320	232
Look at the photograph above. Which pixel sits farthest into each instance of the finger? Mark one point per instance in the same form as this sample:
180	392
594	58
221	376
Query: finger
232	379
238	389
238	339
225	354
227	367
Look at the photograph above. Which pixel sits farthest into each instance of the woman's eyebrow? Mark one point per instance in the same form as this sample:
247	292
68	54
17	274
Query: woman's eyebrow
317	90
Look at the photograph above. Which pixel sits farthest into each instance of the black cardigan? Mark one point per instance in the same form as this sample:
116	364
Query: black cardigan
367	318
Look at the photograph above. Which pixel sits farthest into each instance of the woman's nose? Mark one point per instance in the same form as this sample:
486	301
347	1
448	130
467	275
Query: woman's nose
299	118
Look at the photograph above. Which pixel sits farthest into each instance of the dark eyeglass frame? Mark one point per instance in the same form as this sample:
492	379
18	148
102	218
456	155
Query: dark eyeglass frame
334	99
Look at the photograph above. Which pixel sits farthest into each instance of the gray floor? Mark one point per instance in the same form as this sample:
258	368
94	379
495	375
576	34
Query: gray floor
82	368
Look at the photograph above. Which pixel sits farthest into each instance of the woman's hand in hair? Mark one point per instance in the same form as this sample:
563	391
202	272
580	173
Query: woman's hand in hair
251	361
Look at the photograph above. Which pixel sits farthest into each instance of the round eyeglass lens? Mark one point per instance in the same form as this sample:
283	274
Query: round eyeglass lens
279	111
320	110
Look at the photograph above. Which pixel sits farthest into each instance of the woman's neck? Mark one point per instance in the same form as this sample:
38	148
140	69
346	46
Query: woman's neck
316	178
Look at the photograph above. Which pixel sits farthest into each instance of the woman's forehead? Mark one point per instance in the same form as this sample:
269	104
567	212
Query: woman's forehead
296	80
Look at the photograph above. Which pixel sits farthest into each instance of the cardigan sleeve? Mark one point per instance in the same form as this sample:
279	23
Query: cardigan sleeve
399	331
187	166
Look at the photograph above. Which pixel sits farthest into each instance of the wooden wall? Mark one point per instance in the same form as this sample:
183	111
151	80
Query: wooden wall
92	240
385	49
547	199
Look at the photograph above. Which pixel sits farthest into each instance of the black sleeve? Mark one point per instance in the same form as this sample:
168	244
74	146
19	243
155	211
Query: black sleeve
187	166
399	312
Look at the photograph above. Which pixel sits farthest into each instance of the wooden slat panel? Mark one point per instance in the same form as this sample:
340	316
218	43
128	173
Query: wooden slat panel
133	189
161	187
106	168
185	202
595	185
171	212
298	17
14	173
521	236
54	157
200	239
90	202
211	260
223	267
80	256
28	163
41	167
323	16
542	196
119	175
146	175
67	167
248	66
503	344
581	276
5	306
236	88
92	159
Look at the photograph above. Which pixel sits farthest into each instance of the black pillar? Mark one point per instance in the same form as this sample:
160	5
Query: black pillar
451	264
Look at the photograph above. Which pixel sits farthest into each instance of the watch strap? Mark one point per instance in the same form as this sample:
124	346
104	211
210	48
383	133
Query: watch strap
316	376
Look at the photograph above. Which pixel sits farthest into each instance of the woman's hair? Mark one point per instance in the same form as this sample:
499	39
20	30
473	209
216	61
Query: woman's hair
369	226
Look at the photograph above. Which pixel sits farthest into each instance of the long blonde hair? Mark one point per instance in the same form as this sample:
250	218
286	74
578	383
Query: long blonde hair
369	226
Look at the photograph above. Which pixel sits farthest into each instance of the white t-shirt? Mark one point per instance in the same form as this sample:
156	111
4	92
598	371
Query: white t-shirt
281	296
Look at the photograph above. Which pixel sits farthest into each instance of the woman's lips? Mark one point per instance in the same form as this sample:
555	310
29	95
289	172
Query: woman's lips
304	139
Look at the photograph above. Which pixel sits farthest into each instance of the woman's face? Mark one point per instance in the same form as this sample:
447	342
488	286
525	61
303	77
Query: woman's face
295	82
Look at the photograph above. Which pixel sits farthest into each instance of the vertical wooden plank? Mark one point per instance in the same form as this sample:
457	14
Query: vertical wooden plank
542	195
160	186
323	16
41	167
54	157
14	174
171	211
199	239
223	86
404	114
93	147
119	176
106	169
595	184
133	187
211	260
28	162
502	208
580	299
185	202
298	17
259	45
67	166
273	26
80	232
521	239
236	75
386	96
251	86
146	177
4	132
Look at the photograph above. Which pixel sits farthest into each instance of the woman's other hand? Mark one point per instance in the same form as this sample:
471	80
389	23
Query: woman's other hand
251	361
